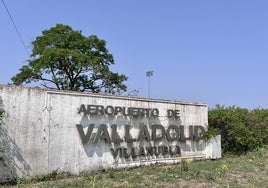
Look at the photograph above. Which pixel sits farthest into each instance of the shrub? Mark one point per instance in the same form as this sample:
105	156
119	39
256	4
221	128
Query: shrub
1	113
241	130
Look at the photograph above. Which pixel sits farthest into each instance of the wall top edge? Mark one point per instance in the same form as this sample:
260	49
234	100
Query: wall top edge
76	93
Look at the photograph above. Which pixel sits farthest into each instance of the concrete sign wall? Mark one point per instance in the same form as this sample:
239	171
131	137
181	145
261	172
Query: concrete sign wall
45	131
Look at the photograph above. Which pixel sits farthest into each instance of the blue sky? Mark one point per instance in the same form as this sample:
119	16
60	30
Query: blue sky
202	51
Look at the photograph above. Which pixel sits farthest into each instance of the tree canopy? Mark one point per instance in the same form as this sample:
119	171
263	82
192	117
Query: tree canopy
66	60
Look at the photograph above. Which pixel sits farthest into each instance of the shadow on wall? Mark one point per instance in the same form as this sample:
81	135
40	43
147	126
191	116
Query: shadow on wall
12	161
189	145
96	139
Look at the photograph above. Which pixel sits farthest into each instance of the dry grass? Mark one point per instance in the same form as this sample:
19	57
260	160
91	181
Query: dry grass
249	170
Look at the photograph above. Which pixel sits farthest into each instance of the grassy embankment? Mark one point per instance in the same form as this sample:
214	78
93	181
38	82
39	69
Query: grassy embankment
250	170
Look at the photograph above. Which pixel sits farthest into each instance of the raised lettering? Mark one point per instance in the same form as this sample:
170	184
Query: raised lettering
150	151
199	132
164	150
125	113
109	110
155	112
92	109
154	132
117	110
134	153
183	137
134	112
128	138
177	133
100	110
142	151
85	137
125	153
115	136
115	152
102	134
157	150
82	109
173	113
178	150
144	133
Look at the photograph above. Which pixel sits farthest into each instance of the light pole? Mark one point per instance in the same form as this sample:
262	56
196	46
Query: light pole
149	74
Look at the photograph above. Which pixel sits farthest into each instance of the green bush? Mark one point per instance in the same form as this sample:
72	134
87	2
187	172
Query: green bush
241	130
1	113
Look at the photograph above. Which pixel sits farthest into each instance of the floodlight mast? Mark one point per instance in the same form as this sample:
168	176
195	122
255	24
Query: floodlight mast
149	74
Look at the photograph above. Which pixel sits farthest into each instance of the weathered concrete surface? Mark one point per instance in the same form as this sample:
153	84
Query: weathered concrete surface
40	132
214	147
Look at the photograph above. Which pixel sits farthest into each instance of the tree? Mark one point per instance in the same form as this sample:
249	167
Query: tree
66	60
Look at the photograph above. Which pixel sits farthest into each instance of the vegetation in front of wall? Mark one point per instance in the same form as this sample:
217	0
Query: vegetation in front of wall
248	170
1	158
241	130
211	132
1	116
1	113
